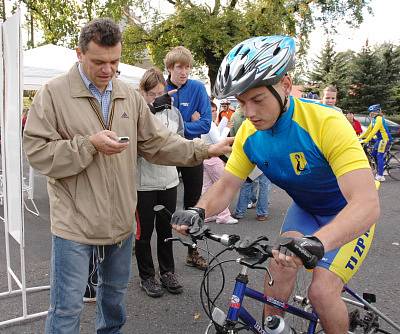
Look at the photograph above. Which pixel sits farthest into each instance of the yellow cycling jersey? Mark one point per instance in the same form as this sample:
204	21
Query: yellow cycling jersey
303	153
379	128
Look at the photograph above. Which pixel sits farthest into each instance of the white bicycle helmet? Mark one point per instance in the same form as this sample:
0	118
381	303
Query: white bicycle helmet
255	62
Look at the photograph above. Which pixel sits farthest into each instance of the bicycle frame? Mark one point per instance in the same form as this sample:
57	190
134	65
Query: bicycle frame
237	311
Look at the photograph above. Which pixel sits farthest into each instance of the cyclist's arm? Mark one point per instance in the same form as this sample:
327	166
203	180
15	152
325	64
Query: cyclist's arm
378	125
220	194
366	133
360	213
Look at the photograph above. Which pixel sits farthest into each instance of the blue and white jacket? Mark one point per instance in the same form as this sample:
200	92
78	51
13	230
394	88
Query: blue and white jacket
191	97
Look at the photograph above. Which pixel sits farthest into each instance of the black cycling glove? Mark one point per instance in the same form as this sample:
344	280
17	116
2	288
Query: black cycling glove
193	218
160	103
308	248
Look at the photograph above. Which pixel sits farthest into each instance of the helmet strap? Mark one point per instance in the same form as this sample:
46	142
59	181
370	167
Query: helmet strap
282	104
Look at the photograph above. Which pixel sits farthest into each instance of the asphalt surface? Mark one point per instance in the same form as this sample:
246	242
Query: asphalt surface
183	313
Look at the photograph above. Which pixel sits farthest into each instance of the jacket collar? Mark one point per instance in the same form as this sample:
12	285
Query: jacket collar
79	89
170	83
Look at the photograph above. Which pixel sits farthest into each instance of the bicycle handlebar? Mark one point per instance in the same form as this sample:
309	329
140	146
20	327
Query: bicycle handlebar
256	249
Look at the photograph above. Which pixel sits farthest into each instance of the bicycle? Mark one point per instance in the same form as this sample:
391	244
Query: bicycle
253	254
391	163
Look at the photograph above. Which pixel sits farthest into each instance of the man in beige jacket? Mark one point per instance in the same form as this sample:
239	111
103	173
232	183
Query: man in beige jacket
71	136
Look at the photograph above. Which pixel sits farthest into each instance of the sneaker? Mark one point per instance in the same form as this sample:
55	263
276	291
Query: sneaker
380	178
196	260
230	221
235	216
171	283
152	287
90	294
262	218
251	205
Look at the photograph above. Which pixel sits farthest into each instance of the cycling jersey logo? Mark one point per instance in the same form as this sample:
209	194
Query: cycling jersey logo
299	163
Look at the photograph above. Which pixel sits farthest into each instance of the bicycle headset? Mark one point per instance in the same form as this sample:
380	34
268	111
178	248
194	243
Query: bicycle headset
256	62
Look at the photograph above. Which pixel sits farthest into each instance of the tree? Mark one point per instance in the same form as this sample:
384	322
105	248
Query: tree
367	82
210	32
323	65
390	59
60	20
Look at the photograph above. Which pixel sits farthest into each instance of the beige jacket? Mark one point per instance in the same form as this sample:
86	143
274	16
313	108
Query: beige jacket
93	196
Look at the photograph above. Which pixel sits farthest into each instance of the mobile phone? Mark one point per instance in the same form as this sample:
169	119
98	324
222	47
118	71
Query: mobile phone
123	139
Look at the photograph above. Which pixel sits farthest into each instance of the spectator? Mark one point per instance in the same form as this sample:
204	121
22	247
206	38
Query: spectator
91	175
356	124
248	196
329	97
157	185
214	167
225	111
237	120
194	105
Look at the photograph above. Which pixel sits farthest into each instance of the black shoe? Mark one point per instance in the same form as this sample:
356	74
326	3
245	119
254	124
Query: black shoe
90	294
152	287
171	283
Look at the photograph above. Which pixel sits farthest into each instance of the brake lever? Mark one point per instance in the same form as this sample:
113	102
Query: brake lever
185	243
254	266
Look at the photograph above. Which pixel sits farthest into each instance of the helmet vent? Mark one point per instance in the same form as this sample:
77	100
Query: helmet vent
239	74
238	50
276	51
226	74
245	53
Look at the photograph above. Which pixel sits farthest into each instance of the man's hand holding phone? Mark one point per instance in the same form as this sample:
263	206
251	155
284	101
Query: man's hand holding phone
108	142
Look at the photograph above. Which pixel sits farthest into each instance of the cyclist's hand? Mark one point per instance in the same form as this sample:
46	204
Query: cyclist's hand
188	221
309	250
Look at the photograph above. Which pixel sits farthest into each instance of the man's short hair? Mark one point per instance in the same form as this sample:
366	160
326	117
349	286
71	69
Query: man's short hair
103	32
178	54
151	78
332	89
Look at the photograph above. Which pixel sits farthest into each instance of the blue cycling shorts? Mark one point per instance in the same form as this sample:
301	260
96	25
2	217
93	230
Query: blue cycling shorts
344	261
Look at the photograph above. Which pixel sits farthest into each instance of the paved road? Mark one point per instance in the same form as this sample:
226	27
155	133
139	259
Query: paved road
183	313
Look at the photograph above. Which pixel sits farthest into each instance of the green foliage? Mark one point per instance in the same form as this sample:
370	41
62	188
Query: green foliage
367	82
60	20
209	33
331	69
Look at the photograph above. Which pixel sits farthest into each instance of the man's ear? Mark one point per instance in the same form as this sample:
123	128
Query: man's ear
79	54
287	84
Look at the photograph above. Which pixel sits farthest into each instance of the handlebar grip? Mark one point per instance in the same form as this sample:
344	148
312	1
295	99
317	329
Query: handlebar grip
309	260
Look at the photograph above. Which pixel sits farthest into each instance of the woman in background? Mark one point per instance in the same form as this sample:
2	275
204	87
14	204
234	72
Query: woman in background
157	185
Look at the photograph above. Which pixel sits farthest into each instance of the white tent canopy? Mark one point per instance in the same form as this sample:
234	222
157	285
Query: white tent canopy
47	61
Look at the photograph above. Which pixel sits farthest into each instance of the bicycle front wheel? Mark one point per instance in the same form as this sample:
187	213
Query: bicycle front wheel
299	299
393	166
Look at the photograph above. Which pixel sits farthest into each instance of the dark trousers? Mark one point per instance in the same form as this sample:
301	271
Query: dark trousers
146	219
192	178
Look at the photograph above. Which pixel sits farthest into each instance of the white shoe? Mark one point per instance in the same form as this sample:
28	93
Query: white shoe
380	178
385	173
230	221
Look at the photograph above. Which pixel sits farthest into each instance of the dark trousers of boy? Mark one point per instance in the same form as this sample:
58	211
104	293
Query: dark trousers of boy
192	178
146	220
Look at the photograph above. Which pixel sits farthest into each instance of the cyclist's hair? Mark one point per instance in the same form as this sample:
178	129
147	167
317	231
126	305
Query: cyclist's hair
213	105
178	54
332	89
103	32
151	78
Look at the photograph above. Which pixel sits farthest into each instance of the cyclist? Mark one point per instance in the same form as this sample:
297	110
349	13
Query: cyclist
379	128
312	152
